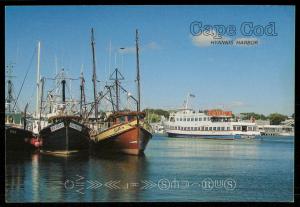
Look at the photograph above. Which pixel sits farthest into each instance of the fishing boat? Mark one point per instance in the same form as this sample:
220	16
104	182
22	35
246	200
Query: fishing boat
18	134
64	134
122	131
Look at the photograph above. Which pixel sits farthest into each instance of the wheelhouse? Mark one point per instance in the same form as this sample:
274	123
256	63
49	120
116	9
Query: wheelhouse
125	117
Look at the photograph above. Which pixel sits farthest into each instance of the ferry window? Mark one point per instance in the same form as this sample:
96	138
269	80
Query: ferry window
202	128
218	128
234	128
238	128
254	128
177	119
196	119
184	119
198	129
228	128
188	119
200	119
206	128
180	119
214	128
188	128
192	119
204	119
222	128
185	128
250	128
176	127
244	128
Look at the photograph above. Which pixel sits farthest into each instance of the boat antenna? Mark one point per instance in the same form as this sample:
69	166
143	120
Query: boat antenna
94	79
187	101
138	72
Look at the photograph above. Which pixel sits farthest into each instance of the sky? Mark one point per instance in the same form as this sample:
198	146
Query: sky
173	62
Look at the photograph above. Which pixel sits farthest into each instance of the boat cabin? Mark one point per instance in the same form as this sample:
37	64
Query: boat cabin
125	117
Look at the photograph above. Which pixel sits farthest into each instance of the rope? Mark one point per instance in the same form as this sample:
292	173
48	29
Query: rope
24	78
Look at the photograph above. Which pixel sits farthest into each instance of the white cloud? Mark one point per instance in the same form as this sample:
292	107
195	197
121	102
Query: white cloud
212	38
153	46
237	104
205	40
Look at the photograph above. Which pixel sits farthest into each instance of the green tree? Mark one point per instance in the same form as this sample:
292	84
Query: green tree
158	112
276	118
247	116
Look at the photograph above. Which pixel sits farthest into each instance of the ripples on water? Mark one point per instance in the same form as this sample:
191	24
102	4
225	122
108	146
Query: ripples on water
173	169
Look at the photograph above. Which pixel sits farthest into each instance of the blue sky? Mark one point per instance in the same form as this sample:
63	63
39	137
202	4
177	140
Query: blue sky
258	78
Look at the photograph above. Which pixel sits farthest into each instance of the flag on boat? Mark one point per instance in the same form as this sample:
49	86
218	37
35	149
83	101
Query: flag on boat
192	95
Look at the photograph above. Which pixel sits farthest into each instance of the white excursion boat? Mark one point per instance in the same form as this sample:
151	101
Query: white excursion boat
216	124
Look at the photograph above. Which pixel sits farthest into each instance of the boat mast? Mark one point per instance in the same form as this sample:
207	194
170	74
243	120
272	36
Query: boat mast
82	94
116	76
94	79
10	98
38	81
117	90
138	72
41	92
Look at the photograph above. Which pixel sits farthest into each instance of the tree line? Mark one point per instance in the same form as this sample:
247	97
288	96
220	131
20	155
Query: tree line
154	115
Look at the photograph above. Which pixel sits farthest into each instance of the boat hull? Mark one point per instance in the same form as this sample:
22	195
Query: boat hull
64	138
132	141
18	139
226	137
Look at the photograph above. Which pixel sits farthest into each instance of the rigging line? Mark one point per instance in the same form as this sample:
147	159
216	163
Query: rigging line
25	77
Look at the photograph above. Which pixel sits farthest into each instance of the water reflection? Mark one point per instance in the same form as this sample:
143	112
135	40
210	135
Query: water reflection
125	171
258	166
44	178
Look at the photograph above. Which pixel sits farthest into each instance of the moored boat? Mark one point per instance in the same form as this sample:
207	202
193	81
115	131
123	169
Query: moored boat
64	135
17	133
123	131
127	132
213	124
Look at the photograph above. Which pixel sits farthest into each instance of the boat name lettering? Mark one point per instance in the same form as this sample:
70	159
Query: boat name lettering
57	127
75	126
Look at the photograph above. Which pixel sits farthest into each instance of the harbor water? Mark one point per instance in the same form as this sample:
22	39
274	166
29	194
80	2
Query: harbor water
173	169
